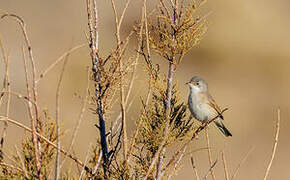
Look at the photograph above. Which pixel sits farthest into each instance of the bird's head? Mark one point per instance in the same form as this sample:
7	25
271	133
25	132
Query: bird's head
197	84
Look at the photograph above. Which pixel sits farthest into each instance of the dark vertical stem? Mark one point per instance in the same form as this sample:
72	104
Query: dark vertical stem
93	28
100	111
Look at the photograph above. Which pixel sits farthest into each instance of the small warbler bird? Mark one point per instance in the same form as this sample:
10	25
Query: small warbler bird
202	106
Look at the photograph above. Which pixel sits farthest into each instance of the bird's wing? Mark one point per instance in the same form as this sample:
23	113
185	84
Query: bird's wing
214	105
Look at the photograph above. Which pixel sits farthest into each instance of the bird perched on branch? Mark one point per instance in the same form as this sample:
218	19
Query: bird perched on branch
202	106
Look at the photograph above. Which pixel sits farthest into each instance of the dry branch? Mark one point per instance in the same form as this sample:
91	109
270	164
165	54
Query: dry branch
93	44
210	169
34	120
58	60
274	145
194	168
242	162
209	153
57	120
6	86
225	166
81	115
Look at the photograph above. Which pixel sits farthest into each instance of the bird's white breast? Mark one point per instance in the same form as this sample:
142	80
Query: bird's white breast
199	108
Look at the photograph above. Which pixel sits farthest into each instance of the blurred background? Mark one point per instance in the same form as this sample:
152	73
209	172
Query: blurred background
244	57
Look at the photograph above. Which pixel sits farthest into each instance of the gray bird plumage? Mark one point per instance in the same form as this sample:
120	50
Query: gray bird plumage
201	104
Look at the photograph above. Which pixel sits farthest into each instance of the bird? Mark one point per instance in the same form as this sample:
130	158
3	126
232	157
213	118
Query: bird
202	106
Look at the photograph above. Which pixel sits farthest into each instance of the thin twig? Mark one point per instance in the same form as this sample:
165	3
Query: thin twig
58	60
225	166
118	23
95	170
194	168
22	162
275	144
6	85
86	159
161	153
114	122
77	126
196	132
242	162
209	153
143	21
175	165
171	71
10	166
18	95
34	121
210	169
30	109
57	120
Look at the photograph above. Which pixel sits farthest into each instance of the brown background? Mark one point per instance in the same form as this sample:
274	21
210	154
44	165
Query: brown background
244	57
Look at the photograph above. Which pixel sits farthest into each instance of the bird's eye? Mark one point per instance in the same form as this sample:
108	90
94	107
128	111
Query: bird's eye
197	83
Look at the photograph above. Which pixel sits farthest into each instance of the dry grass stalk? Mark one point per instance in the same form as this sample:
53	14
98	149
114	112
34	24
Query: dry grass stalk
194	168
57	120
143	21
210	169
241	163
82	112
34	120
275	144
209	153
6	86
118	23
58	60
225	166
22	162
85	162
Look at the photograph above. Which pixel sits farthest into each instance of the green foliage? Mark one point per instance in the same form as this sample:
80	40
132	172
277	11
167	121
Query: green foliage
153	122
25	158
172	36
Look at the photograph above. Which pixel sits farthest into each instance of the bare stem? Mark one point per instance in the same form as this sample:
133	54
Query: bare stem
30	110
275	144
93	29
57	120
167	112
210	169
57	61
171	70
241	162
81	115
209	153
6	86
194	168
35	119
225	166
118	23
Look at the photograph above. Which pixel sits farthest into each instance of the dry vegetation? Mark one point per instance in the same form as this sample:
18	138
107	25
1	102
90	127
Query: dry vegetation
164	123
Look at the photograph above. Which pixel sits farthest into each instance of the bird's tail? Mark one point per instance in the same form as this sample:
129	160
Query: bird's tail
222	128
